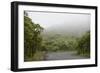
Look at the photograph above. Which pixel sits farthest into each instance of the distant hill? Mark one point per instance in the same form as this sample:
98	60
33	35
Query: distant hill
65	30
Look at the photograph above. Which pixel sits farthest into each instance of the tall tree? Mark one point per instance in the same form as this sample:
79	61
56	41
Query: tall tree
32	37
84	44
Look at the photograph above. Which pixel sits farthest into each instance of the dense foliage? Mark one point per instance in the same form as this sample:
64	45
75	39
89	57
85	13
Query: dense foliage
59	43
32	37
36	44
68	43
83	46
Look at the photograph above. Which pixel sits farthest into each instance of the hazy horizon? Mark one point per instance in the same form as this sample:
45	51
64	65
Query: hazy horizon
61	23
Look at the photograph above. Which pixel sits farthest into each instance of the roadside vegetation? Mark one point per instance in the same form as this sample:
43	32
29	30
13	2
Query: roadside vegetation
37	45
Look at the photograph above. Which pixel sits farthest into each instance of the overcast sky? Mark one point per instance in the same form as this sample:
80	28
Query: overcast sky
69	22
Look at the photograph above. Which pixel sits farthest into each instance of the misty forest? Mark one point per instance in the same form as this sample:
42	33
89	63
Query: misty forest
42	44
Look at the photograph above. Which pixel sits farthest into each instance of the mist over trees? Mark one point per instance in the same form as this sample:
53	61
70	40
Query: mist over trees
37	44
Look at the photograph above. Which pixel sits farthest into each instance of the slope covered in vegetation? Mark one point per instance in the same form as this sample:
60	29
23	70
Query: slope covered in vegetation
36	44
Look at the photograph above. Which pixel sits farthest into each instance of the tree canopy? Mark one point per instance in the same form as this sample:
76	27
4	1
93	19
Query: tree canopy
32	37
